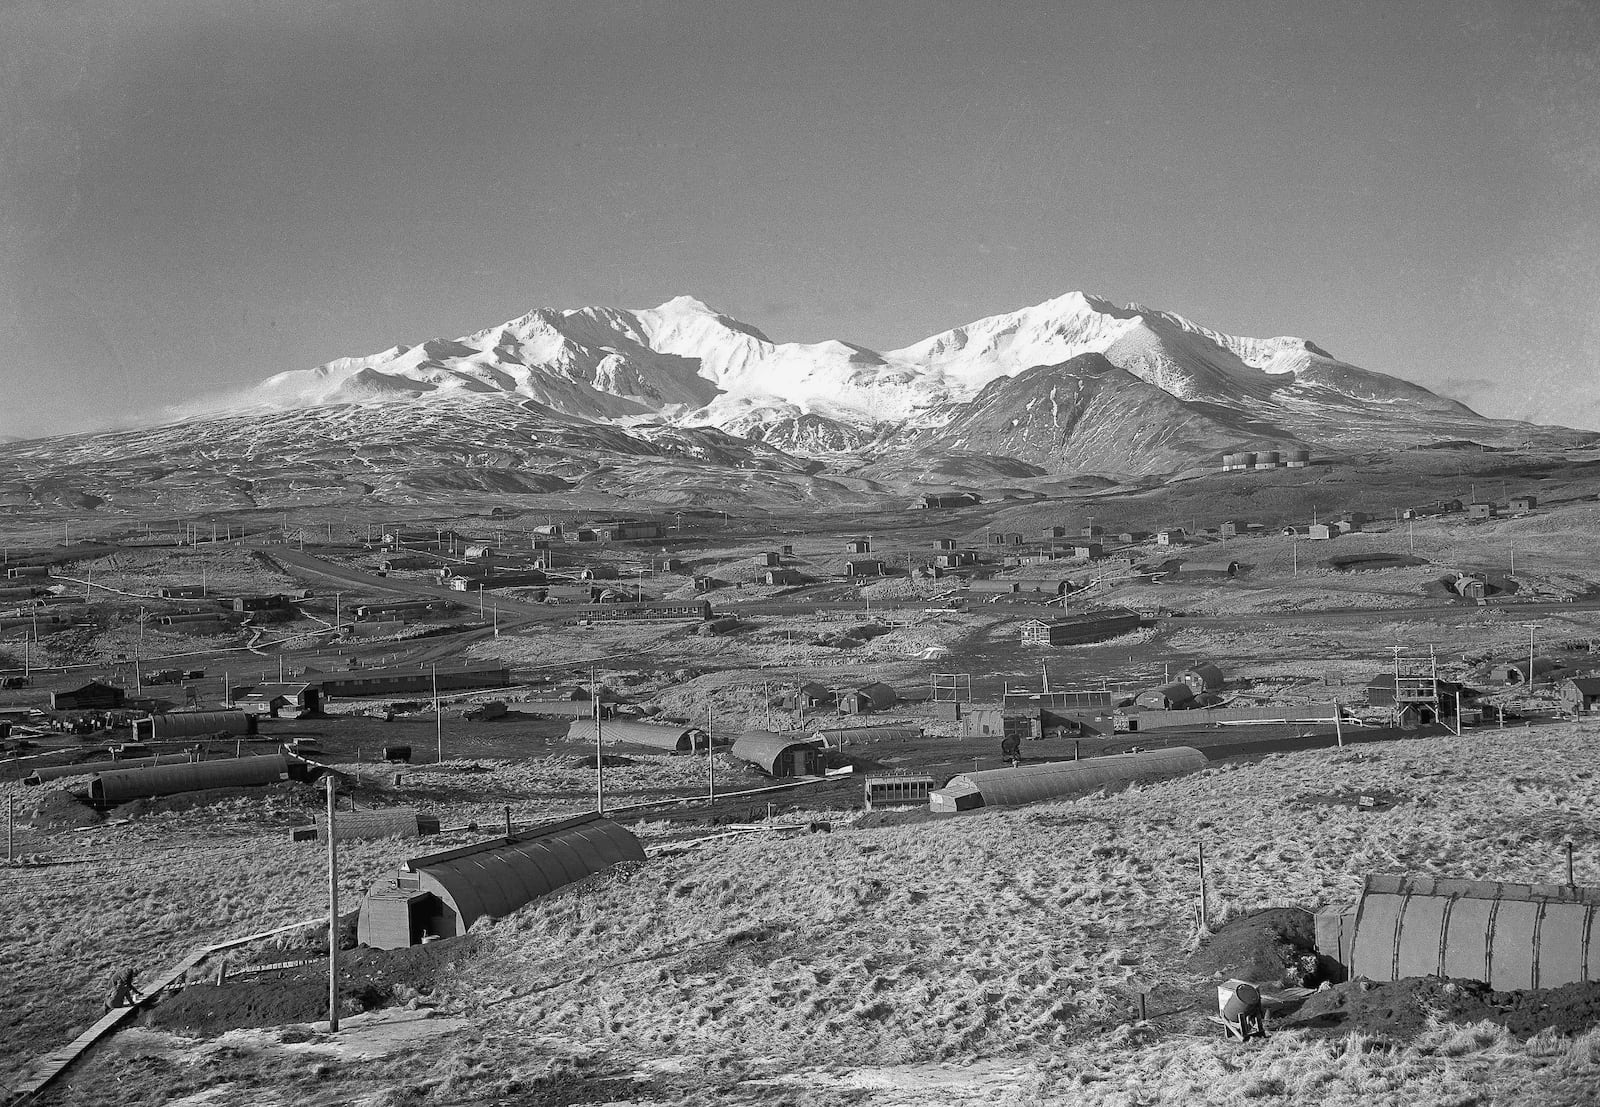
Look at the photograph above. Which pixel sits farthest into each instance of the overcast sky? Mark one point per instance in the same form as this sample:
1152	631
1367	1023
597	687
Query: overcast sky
195	195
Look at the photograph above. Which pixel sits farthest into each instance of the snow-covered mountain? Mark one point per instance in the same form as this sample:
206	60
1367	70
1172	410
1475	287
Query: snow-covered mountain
687	364
1180	389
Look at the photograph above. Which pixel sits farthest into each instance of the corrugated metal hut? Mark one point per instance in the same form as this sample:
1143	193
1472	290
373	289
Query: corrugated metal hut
864	567
190	724
1061	779
396	822
442	894
1202	676
1209	569
1510	936
837	736
108	789
781	754
48	773
674	739
1086	626
1167	697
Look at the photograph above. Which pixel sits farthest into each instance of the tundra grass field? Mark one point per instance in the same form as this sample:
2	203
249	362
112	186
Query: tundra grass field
995	957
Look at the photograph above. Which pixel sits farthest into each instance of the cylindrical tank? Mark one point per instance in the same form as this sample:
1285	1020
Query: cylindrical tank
1268	459
1299	459
1249	458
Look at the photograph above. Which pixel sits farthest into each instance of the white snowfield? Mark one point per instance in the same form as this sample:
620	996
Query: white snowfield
686	364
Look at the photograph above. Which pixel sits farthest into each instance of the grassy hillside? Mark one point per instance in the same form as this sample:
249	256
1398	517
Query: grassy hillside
857	966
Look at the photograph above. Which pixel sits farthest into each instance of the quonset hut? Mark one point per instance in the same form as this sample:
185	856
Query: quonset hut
1510	936
440	895
781	754
89	768
1061	779
674	739
107	789
193	724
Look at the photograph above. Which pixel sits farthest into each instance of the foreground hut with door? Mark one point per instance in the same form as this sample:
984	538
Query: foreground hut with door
1061	779
441	895
781	755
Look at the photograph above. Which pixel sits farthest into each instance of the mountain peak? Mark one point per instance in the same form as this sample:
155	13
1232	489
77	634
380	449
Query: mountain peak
688	304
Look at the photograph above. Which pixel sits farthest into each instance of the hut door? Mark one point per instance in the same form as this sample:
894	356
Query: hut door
422	910
801	766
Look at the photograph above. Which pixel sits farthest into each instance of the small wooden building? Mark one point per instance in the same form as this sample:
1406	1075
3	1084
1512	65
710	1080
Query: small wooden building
92	696
1580	695
864	567
876	696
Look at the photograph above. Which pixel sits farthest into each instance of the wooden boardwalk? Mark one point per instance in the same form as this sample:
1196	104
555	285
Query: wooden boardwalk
45	1069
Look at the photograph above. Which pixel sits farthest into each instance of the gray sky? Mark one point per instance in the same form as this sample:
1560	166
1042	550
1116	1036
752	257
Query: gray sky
195	195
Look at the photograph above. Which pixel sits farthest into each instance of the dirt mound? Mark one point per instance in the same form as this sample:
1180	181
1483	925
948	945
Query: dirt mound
610	761
205	1010
1269	947
61	809
368	978
1402	1008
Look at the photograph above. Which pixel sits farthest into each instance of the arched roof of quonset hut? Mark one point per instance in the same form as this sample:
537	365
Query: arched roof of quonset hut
496	877
1065	779
678	739
764	749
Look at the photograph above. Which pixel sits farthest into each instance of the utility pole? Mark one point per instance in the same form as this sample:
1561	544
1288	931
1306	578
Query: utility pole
711	768
438	716
599	759
333	915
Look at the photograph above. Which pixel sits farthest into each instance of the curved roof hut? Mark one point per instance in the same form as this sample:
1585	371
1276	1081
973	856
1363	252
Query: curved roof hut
781	754
192	724
1202	676
89	768
108	789
1510	936
1167	697
1061	779
442	894
394	822
673	739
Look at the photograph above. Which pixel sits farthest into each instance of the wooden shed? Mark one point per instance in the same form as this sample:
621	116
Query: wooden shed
92	696
441	895
1579	695
876	696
